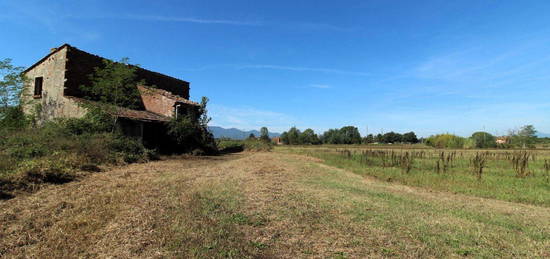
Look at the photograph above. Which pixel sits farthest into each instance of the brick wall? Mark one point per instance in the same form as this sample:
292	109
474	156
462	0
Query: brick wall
156	102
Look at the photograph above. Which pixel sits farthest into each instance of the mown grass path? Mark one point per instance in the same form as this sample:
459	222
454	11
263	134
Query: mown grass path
262	205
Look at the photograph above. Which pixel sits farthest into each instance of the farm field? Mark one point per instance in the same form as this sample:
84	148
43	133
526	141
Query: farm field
257	205
511	175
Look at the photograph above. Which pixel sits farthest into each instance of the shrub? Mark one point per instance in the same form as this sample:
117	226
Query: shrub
445	141
54	152
257	145
230	146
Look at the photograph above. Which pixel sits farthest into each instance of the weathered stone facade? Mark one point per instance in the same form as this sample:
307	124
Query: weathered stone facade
67	68
52	103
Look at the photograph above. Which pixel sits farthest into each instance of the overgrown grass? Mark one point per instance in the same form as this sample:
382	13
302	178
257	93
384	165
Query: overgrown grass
56	153
253	145
499	179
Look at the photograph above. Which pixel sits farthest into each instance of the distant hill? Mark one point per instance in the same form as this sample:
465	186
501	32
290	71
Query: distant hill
543	135
233	133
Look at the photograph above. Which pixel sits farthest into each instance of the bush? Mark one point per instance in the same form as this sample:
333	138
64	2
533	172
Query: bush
55	152
231	146
445	141
13	118
257	145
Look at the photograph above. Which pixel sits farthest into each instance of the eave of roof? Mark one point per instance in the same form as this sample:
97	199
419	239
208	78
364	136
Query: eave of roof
146	116
165	93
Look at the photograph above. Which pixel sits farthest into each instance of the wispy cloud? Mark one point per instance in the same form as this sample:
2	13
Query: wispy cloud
320	86
161	18
304	69
183	19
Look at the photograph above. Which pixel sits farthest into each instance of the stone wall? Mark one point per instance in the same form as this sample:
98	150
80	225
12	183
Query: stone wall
52	102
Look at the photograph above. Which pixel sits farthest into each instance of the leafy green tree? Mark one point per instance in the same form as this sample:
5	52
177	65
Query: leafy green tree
251	136
445	141
293	136
483	140
528	131
332	136
368	139
410	137
264	134
379	138
284	138
350	135
527	135
309	137
114	84
11	84
391	137
191	131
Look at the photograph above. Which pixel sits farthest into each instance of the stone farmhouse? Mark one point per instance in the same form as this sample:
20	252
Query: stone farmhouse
54	85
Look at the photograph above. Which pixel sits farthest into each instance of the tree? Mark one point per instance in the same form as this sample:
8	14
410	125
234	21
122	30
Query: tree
114	84
483	140
11	84
251	136
309	137
378	138
293	136
368	139
284	138
410	137
391	137
191	131
350	135
527	135
264	134
445	141
332	136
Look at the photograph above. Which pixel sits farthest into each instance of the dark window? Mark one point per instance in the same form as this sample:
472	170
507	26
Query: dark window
38	86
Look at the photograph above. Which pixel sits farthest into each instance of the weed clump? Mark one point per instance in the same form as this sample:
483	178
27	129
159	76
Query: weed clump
478	163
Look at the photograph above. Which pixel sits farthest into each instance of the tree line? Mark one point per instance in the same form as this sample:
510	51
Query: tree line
344	135
524	137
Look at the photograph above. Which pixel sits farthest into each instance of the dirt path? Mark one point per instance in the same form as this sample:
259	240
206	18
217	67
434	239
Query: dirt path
261	205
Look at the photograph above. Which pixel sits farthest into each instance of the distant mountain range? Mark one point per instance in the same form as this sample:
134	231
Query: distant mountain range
233	133
543	135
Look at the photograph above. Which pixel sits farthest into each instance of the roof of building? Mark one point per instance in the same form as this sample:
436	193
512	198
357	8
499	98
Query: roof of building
128	113
169	95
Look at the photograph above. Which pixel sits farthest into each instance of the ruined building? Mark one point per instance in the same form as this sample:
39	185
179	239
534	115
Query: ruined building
53	91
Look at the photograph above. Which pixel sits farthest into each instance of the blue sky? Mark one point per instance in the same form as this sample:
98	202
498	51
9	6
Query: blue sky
426	66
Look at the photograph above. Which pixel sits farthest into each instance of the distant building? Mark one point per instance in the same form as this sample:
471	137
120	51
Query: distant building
502	140
277	140
54	86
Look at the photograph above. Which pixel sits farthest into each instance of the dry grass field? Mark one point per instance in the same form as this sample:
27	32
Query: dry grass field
262	205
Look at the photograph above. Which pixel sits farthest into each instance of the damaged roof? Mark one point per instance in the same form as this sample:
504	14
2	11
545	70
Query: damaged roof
128	113
169	95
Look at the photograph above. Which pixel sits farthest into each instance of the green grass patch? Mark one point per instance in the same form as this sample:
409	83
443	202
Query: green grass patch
499	179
